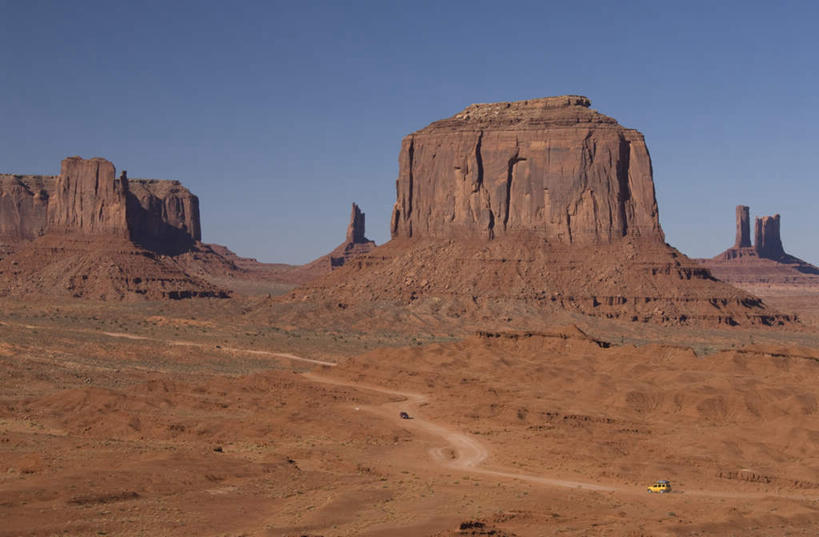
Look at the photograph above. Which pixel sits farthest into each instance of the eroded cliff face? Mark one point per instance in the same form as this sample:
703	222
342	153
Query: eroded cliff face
551	167
86	233
163	216
509	214
87	199
768	242
23	206
743	239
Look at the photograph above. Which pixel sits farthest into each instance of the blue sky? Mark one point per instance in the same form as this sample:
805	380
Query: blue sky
278	115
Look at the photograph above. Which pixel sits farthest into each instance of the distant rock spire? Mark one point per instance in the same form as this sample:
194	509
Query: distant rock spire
767	240
743	239
355	231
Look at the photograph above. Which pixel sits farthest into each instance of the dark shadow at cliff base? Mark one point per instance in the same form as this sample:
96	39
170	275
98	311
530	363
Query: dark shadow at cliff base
150	231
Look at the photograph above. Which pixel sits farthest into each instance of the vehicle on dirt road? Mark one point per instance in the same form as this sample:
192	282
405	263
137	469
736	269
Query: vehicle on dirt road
405	416
661	487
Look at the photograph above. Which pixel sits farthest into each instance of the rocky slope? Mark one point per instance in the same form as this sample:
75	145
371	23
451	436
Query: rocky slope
101	268
510	212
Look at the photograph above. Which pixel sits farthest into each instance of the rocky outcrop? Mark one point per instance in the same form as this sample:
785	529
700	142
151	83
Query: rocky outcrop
356	242
163	216
355	231
743	239
87	199
767	241
101	267
86	233
765	268
23	207
510	214
551	167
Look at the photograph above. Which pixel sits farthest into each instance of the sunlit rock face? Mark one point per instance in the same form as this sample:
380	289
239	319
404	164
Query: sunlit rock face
552	167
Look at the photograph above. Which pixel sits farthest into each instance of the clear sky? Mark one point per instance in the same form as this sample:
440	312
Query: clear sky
278	115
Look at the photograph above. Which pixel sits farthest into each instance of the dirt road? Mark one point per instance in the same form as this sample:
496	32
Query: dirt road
467	454
462	451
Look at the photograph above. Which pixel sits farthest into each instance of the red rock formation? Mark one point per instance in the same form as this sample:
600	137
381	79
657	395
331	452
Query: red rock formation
88	200
767	241
86	233
101	267
743	239
355	231
23	207
511	213
160	215
355	244
766	270
163	216
551	167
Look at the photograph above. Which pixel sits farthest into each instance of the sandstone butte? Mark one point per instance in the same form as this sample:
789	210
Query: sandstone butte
764	262
550	167
509	211
87	233
87	199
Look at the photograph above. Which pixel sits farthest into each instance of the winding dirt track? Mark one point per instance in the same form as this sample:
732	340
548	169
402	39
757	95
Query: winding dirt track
462	453
467	454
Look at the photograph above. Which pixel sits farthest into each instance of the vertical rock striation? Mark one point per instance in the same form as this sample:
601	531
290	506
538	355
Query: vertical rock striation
355	231
163	216
509	212
743	239
551	167
87	199
767	241
23	207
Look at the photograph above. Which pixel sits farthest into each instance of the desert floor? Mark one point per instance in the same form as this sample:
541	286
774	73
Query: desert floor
197	418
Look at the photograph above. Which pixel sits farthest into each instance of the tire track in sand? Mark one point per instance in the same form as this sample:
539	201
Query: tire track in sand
467	454
463	452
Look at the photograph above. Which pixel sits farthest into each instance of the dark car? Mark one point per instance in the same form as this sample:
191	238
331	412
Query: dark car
405	416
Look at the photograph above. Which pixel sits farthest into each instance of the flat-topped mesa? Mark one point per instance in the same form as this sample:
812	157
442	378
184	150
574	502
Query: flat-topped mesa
551	167
767	240
87	199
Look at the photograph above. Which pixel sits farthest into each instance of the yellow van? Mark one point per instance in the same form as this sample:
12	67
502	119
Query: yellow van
662	486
